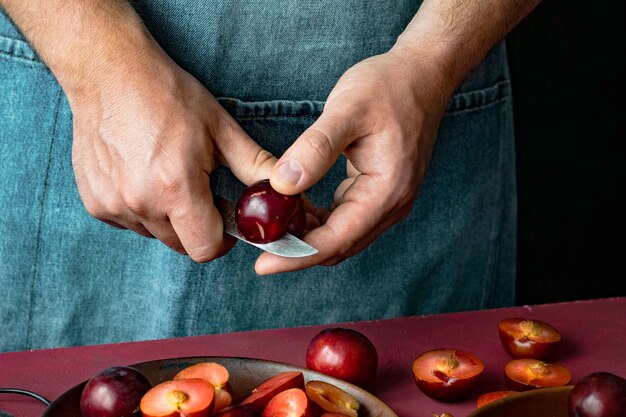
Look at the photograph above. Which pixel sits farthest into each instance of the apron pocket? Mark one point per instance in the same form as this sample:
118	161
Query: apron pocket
275	125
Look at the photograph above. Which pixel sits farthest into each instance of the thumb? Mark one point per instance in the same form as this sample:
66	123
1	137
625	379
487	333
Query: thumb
311	155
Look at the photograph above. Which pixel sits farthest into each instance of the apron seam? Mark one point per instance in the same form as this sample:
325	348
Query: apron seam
282	116
57	108
496	232
200	288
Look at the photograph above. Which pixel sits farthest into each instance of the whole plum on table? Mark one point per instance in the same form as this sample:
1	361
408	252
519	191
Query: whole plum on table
345	354
599	394
114	392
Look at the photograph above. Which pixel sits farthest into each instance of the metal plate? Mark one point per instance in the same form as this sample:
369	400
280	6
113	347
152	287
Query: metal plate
245	375
538	402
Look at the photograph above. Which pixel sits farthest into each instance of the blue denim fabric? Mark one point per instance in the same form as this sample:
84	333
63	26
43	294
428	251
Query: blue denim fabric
68	279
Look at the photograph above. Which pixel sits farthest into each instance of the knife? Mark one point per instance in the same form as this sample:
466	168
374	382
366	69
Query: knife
288	246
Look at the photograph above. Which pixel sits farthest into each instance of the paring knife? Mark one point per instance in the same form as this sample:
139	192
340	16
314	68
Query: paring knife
288	246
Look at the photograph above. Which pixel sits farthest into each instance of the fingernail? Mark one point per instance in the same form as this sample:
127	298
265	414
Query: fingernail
289	172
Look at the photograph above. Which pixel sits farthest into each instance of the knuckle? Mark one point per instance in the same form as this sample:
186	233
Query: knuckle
169	179
262	158
406	196
203	254
320	142
135	202
93	208
103	210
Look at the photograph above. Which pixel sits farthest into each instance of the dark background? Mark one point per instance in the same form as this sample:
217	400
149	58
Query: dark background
568	75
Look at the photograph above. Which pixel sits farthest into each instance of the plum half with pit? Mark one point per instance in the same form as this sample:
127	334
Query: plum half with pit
264	215
447	375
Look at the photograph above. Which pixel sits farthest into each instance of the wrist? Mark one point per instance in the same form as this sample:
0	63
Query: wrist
434	52
429	76
100	53
83	42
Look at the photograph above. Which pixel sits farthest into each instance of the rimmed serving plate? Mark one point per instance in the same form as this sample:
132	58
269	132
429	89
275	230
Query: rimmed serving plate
245	375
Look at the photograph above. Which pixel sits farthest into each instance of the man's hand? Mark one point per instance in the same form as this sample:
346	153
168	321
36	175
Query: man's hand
385	124
145	141
146	133
383	115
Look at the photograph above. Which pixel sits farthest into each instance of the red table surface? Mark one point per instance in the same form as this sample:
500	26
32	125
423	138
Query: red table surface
594	339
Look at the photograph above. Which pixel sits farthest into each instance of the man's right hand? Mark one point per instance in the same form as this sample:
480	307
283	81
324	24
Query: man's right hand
147	134
145	141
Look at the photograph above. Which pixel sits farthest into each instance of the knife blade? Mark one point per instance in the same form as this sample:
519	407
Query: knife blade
288	246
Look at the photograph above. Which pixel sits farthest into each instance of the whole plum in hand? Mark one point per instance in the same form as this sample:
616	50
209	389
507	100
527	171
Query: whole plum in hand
599	394
114	392
264	215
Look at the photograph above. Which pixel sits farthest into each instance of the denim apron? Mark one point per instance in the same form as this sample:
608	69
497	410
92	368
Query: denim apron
68	279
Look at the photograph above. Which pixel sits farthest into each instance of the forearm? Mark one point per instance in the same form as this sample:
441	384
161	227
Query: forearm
80	39
457	34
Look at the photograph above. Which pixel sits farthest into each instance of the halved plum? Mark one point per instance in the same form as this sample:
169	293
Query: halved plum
527	373
217	375
191	397
447	375
292	402
267	389
525	338
332	399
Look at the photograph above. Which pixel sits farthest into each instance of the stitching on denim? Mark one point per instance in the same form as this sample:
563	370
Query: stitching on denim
461	112
196	307
22	58
281	116
41	217
479	99
18	48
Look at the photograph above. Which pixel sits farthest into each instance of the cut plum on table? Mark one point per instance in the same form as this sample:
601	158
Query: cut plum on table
447	375
526	338
525	374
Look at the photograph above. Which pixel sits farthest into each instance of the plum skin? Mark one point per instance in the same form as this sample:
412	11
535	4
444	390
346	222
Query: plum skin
345	354
264	215
114	392
599	394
